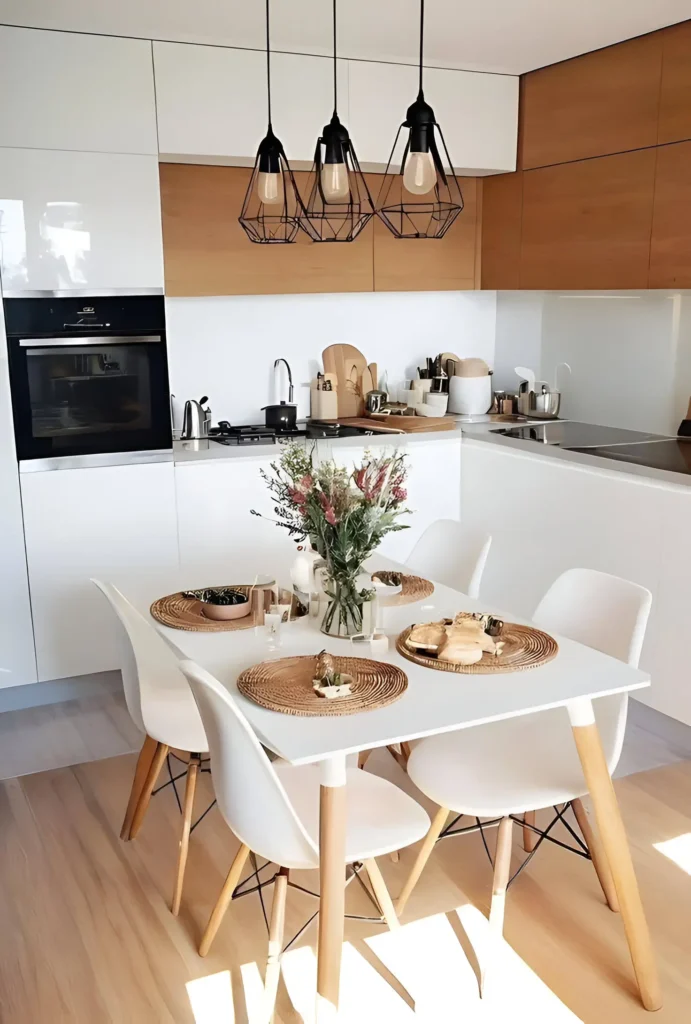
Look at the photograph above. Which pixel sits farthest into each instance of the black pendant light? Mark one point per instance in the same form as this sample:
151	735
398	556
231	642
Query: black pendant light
338	202
272	206
423	198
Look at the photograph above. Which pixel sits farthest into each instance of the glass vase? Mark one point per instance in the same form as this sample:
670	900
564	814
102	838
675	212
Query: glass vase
343	616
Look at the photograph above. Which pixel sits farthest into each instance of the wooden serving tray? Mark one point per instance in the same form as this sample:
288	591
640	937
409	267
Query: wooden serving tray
392	424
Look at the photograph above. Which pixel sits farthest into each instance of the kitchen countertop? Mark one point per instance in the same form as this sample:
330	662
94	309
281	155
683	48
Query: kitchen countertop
184	455
481	433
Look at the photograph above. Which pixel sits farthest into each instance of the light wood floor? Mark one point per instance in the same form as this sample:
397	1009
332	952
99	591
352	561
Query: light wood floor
87	937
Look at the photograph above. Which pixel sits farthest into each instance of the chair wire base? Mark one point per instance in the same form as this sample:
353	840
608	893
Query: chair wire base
259	886
543	834
174	779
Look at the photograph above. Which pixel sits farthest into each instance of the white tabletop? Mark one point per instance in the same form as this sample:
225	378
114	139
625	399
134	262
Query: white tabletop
434	702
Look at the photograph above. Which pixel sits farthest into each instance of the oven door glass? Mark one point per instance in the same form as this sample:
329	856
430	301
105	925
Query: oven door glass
108	395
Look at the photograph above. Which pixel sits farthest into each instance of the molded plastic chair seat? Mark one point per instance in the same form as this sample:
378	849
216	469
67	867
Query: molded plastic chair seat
451	554
173	718
381	818
505	767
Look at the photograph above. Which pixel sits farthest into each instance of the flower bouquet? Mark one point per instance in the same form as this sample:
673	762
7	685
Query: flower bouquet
345	514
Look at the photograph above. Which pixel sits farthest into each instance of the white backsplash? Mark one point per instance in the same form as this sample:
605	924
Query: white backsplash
225	347
629	352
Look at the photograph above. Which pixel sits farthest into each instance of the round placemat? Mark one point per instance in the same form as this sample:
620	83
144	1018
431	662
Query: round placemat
414	588
181	612
524	647
286	685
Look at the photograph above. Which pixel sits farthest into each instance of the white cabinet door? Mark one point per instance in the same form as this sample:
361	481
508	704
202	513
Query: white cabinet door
17	655
211	101
219	538
79	220
478	113
62	90
111	523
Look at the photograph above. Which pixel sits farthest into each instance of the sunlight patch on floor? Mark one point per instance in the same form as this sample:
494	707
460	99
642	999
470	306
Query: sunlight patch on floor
211	999
253	987
677	850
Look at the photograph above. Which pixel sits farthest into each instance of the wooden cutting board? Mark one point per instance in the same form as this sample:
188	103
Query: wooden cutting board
408	424
348	363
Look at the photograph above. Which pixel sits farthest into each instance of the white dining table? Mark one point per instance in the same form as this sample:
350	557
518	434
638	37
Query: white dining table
434	702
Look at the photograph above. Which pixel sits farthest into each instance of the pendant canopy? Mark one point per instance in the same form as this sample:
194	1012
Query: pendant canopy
420	196
272	207
338	203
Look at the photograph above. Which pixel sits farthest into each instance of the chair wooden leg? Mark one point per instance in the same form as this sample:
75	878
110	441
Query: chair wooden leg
151	776
146	756
502	867
276	927
422	857
529	837
224	898
617	853
597	855
395	856
362	758
382	893
193	767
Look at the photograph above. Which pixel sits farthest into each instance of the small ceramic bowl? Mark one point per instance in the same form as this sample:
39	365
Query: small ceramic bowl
224	612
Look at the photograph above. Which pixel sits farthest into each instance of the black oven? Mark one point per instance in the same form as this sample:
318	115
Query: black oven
89	376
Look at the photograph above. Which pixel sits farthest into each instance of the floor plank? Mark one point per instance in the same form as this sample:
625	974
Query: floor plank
88	937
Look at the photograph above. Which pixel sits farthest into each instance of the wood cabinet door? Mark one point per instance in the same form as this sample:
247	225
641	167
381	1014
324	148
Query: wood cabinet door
502	202
670	245
206	252
603	102
675	93
587	224
429	264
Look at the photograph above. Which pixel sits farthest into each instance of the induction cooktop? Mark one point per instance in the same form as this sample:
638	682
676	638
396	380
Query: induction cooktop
579	436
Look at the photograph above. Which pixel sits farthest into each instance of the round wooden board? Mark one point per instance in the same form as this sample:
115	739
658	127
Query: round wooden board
414	588
286	685
525	647
180	612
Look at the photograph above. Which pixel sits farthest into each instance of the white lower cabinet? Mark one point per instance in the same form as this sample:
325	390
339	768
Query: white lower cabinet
547	516
219	538
114	522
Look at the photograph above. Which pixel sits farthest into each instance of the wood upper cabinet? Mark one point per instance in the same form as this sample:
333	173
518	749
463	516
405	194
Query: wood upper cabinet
587	224
206	252
670	246
603	102
430	264
675	93
502	202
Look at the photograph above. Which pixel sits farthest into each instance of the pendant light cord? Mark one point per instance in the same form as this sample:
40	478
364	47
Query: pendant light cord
268	65
422	36
335	73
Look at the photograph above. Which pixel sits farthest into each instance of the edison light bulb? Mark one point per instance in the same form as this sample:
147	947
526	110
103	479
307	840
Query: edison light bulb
334	179
270	188
419	175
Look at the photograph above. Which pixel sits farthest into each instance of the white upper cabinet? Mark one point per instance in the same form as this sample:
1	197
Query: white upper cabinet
79	220
61	90
477	112
211	101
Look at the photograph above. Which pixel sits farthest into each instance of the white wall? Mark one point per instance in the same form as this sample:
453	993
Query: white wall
225	347
630	352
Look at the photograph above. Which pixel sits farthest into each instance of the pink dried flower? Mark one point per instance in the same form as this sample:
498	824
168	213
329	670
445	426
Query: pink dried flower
399	493
305	484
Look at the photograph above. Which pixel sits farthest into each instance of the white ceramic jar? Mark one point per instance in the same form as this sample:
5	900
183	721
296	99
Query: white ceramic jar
470	396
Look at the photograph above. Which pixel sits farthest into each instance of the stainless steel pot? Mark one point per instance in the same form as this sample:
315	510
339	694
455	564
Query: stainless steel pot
541	404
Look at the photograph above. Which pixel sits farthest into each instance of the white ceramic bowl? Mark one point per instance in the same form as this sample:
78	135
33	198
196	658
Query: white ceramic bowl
438	402
470	396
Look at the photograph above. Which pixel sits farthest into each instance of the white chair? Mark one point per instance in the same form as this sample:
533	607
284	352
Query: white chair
450	553
516	766
273	809
161	704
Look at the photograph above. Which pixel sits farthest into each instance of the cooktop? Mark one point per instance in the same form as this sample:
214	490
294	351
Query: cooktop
673	454
573	435
260	434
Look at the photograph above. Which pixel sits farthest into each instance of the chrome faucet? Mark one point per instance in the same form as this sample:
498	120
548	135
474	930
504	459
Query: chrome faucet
290	378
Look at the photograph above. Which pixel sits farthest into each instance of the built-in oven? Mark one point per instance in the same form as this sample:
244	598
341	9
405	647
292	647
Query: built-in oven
89	378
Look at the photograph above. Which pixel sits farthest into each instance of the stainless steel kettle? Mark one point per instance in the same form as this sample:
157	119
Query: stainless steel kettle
195	420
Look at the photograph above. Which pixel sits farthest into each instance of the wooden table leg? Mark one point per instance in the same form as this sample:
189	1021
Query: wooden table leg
616	848
332	831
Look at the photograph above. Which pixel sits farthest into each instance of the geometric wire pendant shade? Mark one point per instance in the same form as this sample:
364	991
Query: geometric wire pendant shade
338	203
272	206
420	195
